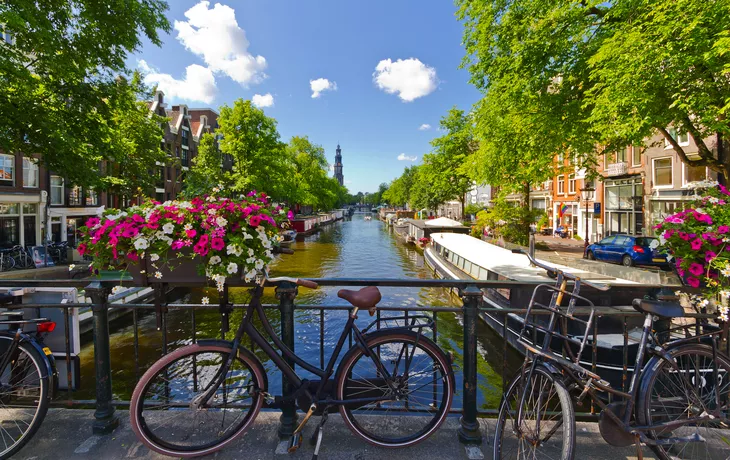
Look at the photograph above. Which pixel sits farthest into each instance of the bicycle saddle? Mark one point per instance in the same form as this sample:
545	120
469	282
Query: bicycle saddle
659	308
365	298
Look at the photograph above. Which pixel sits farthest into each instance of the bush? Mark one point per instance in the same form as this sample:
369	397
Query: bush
507	221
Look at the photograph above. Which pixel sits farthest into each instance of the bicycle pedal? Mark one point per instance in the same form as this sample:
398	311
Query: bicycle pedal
295	442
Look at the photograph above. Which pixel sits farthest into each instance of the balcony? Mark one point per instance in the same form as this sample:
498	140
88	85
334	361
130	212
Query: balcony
617	169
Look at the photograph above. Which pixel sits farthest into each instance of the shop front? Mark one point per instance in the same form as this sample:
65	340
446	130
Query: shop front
623	200
20	221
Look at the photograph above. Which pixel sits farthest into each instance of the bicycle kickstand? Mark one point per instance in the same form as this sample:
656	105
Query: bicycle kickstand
317	435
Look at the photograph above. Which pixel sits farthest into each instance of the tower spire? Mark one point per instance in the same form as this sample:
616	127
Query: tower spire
338	165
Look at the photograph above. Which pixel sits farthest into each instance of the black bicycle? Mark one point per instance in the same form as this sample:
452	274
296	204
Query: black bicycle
200	398
678	403
28	379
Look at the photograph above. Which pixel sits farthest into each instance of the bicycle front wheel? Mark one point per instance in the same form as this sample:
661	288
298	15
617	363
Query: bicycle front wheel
165	410
670	394
539	426
24	395
7	263
417	382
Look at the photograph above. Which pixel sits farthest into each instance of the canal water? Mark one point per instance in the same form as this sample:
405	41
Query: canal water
353	248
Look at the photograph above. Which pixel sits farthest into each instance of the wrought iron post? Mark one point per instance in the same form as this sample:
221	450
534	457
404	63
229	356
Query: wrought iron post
106	420
286	293
469	432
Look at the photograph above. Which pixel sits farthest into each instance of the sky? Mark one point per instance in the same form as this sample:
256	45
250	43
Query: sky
374	76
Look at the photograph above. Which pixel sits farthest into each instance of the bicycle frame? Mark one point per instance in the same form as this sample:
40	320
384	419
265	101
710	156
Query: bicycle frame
280	360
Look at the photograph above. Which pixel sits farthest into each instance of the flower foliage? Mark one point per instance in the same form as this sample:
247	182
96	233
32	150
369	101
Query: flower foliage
698	237
227	237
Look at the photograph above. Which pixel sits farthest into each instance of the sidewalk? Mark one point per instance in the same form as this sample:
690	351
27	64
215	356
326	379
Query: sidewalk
66	433
564	246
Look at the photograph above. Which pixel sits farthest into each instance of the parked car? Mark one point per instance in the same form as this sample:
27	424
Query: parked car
628	250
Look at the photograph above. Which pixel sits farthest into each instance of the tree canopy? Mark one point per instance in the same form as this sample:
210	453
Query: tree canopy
568	76
62	99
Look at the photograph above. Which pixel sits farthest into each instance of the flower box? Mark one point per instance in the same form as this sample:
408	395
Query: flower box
207	238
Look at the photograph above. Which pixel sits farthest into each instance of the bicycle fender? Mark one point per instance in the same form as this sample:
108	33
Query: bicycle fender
49	361
654	362
241	351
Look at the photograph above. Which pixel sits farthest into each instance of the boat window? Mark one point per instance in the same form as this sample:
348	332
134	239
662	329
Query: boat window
483	273
475	270
446	253
467	266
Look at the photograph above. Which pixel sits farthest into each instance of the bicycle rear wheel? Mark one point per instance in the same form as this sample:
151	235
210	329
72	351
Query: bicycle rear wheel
24	396
420	385
6	263
664	397
546	428
164	412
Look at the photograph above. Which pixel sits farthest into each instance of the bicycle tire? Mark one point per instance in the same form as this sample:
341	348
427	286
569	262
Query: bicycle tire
32	361
194	352
565	423
649	409
361	425
7	263
23	260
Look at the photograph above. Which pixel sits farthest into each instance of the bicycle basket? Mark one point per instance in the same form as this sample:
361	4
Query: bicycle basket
556	331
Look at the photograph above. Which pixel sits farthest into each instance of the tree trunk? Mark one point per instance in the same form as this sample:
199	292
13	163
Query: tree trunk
463	206
526	211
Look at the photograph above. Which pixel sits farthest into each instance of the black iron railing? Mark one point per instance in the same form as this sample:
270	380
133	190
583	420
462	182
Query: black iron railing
469	306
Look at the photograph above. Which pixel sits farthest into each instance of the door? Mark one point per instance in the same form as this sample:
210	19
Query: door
618	248
601	247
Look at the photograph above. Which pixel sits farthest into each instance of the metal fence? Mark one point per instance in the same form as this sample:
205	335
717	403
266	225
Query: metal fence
471	306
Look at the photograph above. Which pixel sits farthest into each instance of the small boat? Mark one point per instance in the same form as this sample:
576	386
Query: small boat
289	235
368	218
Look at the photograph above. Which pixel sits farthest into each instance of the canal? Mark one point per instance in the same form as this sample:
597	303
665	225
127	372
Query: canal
352	248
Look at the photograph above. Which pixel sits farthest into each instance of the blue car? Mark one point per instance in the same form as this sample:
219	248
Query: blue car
628	250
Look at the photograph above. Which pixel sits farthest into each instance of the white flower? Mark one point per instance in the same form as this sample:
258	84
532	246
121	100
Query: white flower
220	279
267	244
205	301
214	260
158	275
188	227
141	244
269	254
247	236
210	199
250	276
234	249
250	252
216	189
117	289
154	257
251	260
726	271
211	211
159	234
259	264
71	267
232	268
185	205
168	228
221	221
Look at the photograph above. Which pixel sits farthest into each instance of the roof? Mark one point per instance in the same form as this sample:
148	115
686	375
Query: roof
512	266
194	127
443	222
174	116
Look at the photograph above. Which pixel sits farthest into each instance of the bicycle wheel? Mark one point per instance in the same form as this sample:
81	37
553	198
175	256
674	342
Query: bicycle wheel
24	396
23	260
547	401
6	263
419	384
162	408
664	397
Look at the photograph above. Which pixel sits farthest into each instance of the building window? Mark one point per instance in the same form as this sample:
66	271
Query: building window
571	183
30	173
185	137
636	156
622	155
74	196
56	190
561	185
681	138
92	198
694	174
184	158
663	172
7	170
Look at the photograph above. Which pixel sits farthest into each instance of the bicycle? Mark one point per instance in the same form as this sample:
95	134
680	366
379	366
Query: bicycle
6	260
200	398
21	257
676	403
28	380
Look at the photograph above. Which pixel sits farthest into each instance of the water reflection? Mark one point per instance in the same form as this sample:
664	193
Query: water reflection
348	249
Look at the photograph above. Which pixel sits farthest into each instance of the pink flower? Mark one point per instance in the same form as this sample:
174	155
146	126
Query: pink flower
254	221
191	233
81	248
696	244
92	222
200	249
130	232
217	244
723	229
132	256
680	272
290	215
138	219
115	253
177	244
723	189
684	236
203	240
696	269
692	281
709	255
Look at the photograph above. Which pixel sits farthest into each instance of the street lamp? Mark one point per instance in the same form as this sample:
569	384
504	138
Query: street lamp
587	194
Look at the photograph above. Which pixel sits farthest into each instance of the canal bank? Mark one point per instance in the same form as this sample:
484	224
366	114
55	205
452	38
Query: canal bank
351	248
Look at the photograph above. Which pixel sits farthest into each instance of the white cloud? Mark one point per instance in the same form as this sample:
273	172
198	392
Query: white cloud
198	84
408	78
424	127
214	35
267	100
320	85
404	157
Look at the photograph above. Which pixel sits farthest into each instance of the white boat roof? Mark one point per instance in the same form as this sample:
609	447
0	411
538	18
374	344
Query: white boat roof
515	267
443	222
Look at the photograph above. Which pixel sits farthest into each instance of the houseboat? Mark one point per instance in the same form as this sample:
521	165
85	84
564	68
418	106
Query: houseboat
459	256
418	228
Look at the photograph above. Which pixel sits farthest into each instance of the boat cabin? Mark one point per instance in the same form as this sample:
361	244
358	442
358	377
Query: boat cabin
425	228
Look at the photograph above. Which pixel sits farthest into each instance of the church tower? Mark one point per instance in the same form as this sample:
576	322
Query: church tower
338	165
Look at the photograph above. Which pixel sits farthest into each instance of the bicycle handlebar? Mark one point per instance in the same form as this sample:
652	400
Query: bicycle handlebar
298	281
555	271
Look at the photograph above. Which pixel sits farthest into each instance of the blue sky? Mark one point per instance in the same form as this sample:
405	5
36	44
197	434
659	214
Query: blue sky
206	62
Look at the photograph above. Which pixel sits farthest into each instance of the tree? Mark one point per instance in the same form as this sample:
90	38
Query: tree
399	190
307	182
593	73
259	157
61	99
206	171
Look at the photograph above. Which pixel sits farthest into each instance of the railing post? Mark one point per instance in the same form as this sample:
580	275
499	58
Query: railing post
469	432
106	420
286	293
